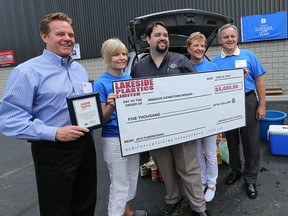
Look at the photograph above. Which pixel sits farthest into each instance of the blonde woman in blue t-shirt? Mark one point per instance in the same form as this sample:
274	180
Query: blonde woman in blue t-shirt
123	171
207	146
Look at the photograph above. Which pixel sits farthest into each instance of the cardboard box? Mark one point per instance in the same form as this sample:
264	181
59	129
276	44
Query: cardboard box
278	138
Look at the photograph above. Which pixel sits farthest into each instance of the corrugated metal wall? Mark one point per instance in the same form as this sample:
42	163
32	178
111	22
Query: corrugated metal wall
97	20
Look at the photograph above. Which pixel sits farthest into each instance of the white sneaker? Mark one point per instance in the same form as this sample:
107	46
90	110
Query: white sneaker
209	195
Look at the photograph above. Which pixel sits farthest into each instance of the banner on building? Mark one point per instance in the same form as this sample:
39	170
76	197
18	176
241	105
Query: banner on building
7	58
264	27
75	54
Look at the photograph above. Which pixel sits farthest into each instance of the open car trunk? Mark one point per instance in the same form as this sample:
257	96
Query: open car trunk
181	24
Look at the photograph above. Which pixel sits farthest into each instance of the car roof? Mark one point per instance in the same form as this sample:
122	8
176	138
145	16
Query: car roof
181	23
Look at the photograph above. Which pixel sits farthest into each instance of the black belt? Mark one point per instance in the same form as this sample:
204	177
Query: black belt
248	93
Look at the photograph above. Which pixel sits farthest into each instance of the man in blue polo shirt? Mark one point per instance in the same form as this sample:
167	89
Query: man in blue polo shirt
232	57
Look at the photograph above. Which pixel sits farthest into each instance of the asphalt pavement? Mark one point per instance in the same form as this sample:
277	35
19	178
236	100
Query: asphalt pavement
18	195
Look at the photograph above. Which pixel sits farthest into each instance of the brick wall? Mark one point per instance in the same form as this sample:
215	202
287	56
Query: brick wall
272	54
95	67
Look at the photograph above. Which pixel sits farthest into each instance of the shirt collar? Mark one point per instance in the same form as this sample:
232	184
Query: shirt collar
236	53
167	55
56	59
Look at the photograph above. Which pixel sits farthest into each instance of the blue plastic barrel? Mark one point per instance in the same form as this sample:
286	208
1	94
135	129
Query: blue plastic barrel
273	117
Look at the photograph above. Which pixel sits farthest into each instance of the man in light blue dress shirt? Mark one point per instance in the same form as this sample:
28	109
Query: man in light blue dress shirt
34	108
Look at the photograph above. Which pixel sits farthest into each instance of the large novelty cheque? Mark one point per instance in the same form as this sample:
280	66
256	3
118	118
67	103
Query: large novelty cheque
157	112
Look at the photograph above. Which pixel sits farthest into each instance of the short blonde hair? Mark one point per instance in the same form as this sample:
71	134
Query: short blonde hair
110	47
195	36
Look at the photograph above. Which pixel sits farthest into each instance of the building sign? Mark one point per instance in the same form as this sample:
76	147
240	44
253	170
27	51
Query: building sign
264	27
6	58
75	54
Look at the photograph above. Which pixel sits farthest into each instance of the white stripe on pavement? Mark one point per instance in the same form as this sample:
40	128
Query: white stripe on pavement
15	170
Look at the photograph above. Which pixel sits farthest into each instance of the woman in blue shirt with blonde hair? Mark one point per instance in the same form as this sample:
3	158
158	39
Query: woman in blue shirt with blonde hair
123	171
207	146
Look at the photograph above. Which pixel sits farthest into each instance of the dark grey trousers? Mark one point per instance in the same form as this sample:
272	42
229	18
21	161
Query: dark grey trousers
250	137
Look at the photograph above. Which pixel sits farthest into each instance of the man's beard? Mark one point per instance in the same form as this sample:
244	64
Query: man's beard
161	50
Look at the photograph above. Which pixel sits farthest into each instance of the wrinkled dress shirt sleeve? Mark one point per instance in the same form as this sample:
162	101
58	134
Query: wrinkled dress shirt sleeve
34	102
